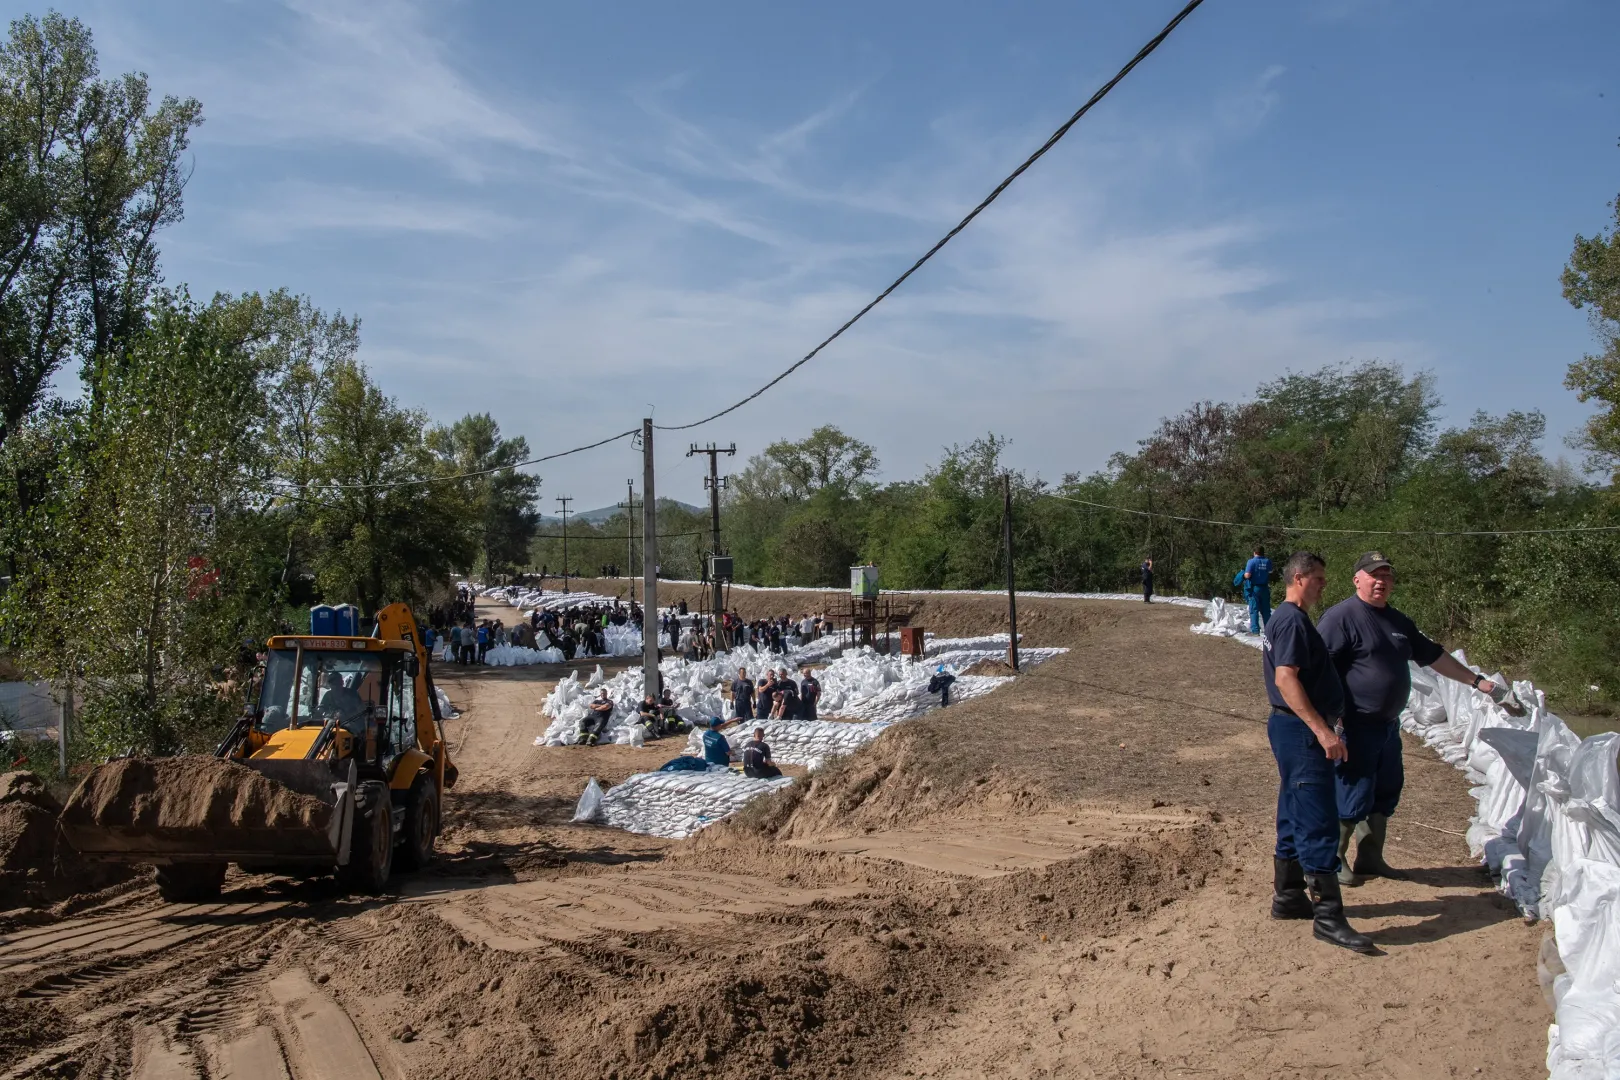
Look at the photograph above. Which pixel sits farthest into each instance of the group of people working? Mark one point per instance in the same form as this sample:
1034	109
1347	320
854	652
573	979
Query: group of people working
775	697
1336	690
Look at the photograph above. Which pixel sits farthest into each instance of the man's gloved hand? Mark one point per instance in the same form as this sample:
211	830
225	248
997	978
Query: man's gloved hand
1504	696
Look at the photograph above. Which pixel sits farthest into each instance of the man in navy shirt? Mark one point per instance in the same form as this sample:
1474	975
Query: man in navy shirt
742	695
1147	580
1371	644
1257	589
1306	702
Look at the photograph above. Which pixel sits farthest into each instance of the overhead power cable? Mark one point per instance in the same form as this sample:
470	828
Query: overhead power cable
636	536
1102	92
1339	532
475	472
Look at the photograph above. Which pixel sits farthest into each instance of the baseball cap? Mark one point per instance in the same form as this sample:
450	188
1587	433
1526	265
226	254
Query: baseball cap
1372	560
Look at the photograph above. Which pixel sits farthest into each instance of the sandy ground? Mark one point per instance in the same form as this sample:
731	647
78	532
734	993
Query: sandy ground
1067	878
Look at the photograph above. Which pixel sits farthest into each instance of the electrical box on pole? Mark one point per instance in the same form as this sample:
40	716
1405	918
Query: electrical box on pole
714	482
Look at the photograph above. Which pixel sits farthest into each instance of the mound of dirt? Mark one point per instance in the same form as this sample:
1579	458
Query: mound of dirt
28	1025
27	831
190	794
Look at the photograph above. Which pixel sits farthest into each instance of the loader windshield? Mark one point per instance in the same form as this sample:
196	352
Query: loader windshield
318	686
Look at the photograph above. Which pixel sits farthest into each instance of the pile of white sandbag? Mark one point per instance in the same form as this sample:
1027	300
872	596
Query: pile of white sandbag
1222	618
532	600
520	656
859	685
678	804
802	742
1547	824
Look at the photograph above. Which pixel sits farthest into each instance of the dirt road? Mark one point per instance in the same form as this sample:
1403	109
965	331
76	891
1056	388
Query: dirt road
1066	878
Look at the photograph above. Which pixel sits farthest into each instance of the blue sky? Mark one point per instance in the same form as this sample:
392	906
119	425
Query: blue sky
560	213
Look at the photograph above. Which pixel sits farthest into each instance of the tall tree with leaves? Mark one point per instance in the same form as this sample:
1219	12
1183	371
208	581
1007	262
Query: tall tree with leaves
504	498
1592	282
90	171
386	527
141	575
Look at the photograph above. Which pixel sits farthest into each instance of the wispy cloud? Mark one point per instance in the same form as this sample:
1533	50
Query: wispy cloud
608	243
291	208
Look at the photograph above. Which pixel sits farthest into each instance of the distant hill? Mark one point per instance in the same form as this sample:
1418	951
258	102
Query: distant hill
596	517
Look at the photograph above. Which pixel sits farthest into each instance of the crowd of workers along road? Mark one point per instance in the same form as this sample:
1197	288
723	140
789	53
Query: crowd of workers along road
1336	690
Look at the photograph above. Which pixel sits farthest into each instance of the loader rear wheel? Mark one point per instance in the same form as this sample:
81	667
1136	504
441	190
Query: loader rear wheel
371	845
190	883
421	829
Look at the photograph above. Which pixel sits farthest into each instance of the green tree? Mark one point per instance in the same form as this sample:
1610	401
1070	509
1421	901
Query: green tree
1591	282
141	572
384	530
504	500
90	172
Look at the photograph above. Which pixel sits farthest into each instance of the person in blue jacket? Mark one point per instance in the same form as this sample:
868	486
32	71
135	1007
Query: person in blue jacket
716	750
1257	589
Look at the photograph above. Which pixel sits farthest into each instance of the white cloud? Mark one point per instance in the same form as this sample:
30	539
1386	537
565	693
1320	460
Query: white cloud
291	208
578	262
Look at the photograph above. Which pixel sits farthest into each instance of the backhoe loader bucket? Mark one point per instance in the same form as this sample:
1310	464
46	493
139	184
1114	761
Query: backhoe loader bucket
205	809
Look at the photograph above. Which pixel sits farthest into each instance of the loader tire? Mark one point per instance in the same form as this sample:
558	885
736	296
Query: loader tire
421	829
371	844
190	883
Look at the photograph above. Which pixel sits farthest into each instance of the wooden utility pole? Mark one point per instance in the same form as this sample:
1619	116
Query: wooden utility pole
1012	595
629	508
714	482
649	565
565	500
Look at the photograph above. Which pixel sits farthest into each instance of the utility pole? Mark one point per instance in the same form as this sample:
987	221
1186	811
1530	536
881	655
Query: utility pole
714	482
649	565
63	721
1012	596
565	500
629	508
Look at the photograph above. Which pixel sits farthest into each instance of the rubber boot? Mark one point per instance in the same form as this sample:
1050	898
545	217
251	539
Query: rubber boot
1370	862
1329	925
1288	899
1347	876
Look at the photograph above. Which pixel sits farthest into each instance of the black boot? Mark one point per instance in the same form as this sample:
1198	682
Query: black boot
1370	862
1288	899
1347	876
1328	910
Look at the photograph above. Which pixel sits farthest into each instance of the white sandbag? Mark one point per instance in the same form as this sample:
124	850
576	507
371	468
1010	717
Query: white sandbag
678	804
589	807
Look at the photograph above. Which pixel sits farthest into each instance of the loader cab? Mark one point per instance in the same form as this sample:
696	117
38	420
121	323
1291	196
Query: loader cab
338	698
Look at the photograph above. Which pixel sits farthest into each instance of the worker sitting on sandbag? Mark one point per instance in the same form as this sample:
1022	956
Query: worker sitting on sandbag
756	756
598	717
716	750
669	717
647	716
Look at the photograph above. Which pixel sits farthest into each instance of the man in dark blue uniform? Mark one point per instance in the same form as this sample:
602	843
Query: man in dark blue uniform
1371	644
1147	580
1307	700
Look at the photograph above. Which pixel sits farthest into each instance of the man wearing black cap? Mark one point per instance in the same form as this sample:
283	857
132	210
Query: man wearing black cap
1371	643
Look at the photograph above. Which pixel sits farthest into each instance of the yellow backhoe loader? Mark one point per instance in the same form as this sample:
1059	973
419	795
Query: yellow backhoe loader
352	721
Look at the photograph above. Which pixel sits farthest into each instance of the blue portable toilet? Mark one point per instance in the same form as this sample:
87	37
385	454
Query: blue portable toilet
347	621
322	620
